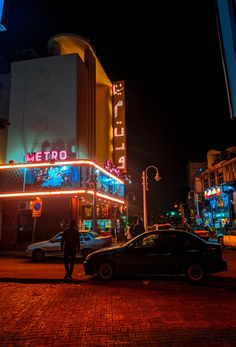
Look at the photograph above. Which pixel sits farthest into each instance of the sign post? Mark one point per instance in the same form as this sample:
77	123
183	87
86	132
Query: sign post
36	212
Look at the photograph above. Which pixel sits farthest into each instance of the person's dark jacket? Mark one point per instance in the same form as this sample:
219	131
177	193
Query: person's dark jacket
70	239
138	229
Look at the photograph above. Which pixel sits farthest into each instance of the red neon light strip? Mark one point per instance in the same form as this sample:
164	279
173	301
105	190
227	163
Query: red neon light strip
60	163
55	193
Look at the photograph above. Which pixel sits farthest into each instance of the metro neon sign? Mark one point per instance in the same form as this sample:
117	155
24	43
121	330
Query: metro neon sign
46	156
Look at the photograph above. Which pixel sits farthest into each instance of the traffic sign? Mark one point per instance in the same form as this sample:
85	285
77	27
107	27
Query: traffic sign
37	208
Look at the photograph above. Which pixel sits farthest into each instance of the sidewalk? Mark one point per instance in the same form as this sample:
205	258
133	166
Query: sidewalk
12	253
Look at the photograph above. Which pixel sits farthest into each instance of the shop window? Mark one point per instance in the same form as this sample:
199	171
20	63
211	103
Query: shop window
87	211
104	211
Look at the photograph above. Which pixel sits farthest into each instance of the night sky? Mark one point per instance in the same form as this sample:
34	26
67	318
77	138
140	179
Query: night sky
168	54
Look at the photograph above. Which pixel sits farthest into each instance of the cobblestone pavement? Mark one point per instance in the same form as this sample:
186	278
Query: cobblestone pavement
154	312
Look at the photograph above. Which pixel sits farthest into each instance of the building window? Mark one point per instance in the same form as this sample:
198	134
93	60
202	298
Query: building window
220	178
205	183
212	179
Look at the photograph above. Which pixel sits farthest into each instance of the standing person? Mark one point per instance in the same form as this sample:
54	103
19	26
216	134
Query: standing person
129	232
69	242
138	227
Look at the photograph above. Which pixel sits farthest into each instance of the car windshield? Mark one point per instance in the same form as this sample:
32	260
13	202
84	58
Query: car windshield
93	234
56	238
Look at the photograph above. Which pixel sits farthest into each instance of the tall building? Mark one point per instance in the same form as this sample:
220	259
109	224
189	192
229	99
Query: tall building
66	144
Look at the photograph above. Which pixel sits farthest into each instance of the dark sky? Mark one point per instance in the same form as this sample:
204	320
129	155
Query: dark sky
168	54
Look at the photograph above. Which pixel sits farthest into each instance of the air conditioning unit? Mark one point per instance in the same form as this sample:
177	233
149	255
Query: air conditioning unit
24	205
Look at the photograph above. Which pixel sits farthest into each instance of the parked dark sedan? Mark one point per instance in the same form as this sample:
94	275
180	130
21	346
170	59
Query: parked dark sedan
172	252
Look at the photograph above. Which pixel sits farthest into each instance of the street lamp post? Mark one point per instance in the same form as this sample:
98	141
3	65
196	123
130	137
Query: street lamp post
127	204
145	188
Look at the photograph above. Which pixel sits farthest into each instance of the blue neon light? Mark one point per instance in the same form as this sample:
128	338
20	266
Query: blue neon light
2	26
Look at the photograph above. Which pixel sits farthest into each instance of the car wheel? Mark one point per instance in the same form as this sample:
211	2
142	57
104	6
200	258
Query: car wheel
195	273
38	254
105	271
86	252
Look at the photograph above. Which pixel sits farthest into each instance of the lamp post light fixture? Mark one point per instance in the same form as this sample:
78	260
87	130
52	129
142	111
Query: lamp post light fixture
130	194
145	188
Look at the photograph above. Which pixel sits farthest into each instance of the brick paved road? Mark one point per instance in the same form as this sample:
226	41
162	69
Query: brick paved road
163	312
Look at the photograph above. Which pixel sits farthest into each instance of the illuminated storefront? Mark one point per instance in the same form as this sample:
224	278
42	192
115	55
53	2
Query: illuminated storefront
74	183
219	204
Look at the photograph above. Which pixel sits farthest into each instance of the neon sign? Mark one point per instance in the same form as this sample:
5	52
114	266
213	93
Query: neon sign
119	125
211	192
3	7
46	156
112	168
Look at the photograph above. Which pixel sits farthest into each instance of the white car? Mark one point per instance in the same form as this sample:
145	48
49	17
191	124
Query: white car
89	242
159	226
229	239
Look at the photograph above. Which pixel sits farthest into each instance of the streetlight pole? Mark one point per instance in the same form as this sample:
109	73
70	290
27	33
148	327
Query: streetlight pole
127	204
145	188
144	177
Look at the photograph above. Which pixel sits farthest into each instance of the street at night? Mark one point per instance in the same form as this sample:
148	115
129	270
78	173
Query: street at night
38	308
117	145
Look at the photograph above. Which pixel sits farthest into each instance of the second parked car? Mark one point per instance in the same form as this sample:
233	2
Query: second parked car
229	239
89	242
170	252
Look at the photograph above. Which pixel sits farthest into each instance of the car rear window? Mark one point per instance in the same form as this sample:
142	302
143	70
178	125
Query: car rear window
179	241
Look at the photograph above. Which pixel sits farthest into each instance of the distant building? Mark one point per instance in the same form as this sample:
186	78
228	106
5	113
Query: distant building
218	188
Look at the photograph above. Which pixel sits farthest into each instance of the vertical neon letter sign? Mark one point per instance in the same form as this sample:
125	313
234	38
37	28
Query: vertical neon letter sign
119	126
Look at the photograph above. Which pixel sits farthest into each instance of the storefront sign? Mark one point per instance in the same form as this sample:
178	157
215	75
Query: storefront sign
211	192
119	126
37	208
46	156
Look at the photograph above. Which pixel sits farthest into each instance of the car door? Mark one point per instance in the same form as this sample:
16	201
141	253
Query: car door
53	247
170	256
140	256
